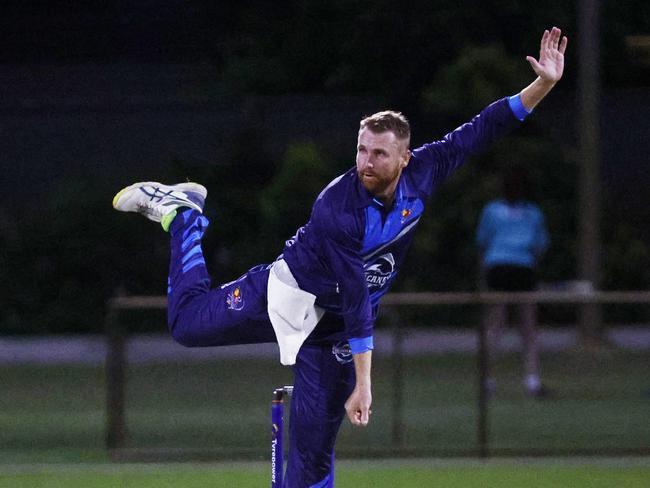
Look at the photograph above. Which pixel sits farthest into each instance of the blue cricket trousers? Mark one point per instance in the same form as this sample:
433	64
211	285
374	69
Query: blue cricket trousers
236	313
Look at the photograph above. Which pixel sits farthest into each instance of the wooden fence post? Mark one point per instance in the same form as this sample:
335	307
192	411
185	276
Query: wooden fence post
483	366
398	377
115	379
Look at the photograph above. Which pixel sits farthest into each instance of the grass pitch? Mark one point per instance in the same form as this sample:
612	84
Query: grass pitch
57	413
52	421
393	474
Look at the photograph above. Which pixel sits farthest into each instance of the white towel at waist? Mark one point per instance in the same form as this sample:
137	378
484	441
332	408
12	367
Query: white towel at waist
292	311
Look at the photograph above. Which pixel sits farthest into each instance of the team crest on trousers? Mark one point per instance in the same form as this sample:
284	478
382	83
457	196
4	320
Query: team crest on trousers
235	299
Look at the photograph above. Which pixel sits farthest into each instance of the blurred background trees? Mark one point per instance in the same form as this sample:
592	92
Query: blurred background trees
295	78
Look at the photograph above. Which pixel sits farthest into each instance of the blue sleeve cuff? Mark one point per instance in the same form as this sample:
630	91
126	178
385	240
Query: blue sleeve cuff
357	346
517	107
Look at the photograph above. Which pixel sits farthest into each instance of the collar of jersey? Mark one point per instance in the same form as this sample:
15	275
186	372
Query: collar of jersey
379	231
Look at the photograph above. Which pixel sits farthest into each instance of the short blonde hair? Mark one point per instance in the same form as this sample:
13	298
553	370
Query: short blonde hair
388	120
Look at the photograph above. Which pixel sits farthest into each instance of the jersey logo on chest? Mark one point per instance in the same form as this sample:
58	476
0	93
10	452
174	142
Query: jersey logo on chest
380	271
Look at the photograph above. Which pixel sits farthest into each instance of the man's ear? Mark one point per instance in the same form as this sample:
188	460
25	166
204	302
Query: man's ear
406	158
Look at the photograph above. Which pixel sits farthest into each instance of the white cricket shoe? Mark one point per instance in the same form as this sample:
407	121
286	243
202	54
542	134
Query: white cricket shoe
159	202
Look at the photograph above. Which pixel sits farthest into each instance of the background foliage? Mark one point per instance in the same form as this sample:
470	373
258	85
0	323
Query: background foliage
64	253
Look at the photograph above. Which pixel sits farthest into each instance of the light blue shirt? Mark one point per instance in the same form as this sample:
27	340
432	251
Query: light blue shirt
511	234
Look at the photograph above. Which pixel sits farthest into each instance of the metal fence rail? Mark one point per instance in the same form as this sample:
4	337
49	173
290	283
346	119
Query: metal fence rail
116	356
136	302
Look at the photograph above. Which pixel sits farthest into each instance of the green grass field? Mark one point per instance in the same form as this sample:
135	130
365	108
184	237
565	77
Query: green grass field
57	414
394	474
52	422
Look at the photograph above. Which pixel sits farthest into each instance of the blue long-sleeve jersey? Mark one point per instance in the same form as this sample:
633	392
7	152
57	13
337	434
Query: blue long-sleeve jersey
352	248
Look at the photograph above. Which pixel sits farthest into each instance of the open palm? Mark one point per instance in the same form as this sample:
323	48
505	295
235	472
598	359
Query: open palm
551	56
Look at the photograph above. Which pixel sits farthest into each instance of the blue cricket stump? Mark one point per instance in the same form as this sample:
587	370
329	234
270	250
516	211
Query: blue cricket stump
277	430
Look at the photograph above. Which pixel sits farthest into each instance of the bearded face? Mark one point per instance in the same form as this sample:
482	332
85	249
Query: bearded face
381	157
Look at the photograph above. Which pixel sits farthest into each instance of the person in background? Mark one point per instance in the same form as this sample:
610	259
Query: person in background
512	238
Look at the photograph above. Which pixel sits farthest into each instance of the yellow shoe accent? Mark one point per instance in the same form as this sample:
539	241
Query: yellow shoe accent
118	195
167	220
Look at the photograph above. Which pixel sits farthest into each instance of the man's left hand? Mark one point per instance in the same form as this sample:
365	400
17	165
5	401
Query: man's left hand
551	56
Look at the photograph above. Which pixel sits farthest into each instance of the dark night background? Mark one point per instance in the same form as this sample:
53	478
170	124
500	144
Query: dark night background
260	101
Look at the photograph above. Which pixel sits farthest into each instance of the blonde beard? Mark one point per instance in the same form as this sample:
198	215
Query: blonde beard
378	185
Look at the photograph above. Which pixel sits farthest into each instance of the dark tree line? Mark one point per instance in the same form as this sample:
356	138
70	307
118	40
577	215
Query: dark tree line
437	61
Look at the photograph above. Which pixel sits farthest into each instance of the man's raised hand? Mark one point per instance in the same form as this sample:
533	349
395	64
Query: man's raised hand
551	56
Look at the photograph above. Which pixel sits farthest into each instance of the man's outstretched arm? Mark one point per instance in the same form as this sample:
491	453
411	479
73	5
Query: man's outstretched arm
549	68
494	121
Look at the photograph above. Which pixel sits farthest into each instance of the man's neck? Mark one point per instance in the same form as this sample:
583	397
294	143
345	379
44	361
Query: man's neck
387	197
386	201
